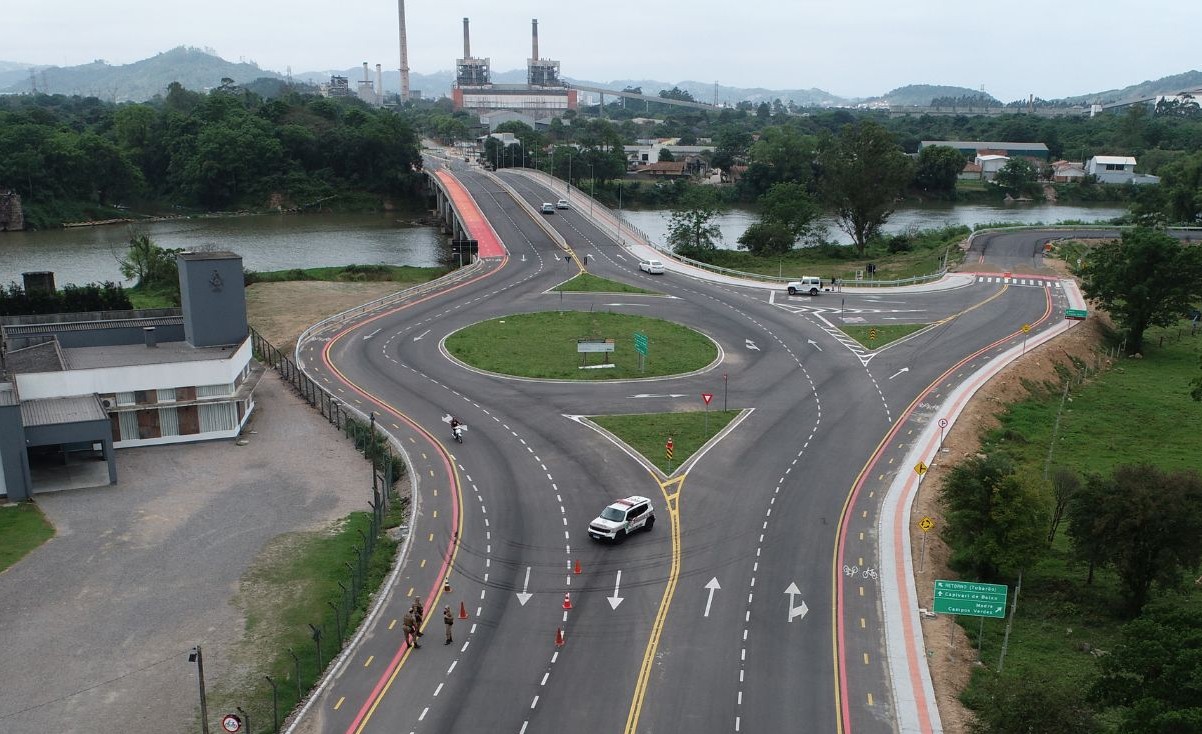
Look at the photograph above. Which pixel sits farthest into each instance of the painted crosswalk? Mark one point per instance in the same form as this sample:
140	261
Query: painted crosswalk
1019	281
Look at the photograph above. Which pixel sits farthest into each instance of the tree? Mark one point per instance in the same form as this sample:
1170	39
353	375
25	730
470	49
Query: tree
764	111
1144	522
996	520
1018	175
665	156
786	215
937	168
1145	279
1181	189
1039	704
1153	672
782	154
1065	485
862	174
149	264
691	228
676	93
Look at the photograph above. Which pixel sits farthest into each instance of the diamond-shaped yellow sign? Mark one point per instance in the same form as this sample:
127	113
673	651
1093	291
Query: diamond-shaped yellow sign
920	468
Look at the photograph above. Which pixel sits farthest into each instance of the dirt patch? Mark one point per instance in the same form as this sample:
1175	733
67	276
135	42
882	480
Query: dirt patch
952	657
282	311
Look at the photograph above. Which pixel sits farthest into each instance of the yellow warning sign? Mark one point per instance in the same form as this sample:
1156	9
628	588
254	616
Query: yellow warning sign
926	524
920	468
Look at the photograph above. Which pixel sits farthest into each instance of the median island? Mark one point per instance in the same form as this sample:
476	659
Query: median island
580	345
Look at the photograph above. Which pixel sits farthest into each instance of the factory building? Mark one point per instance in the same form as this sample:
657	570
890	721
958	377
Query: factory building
543	94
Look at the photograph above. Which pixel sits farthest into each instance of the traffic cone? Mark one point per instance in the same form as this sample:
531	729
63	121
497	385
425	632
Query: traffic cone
577	569
559	636
446	584
567	600
462	611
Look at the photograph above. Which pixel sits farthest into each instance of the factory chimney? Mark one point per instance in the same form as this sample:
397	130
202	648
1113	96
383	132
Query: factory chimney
379	86
404	55
366	73
534	39
467	46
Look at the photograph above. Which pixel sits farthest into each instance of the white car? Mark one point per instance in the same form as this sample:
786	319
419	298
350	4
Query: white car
561	204
651	267
808	285
622	518
548	208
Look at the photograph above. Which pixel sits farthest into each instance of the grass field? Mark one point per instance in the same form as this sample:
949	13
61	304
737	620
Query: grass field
543	345
23	528
875	337
1137	410
349	274
589	283
648	433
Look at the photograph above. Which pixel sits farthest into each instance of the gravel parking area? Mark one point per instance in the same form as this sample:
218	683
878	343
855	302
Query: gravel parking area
96	625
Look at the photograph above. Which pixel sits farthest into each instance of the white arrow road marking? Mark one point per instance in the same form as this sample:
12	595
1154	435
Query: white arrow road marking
814	344
712	586
651	395
615	600
524	597
895	374
419	336
751	345
368	336
800	611
625	304
523	257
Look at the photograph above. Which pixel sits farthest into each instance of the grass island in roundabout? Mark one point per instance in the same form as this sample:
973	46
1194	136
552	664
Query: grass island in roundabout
547	344
578	345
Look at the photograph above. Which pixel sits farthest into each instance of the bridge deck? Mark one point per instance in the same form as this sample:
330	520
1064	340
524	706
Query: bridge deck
478	228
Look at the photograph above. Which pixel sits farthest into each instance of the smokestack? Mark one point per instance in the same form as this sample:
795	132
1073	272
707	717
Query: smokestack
534	39
467	46
366	73
379	85
404	55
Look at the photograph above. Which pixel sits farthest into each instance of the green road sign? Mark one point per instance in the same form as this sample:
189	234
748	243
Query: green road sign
640	343
970	598
1074	313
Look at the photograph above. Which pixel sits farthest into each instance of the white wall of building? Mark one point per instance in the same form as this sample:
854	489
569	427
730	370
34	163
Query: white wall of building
35	385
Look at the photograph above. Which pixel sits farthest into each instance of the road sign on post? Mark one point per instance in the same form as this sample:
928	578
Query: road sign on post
669	450
640	346
970	598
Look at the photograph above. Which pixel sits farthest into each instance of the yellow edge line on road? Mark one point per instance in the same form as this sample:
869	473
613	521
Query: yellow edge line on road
672	502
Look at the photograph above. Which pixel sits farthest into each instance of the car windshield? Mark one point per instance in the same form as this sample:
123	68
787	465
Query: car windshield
613	514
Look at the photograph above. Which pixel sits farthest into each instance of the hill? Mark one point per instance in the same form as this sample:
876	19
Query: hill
921	95
193	68
1164	85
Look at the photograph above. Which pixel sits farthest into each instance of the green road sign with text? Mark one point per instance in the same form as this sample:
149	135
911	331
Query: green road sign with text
640	343
970	598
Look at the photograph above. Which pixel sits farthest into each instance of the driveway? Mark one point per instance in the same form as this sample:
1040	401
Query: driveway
95	626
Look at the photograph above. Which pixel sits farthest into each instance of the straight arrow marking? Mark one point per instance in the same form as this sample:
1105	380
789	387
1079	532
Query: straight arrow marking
419	336
712	586
615	600
368	336
814	344
524	597
899	372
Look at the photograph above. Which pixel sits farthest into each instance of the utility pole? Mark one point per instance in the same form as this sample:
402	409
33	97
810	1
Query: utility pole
197	656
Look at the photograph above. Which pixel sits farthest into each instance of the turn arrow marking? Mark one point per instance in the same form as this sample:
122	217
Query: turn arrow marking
524	597
712	586
751	345
419	336
615	600
800	611
368	336
901	371
814	344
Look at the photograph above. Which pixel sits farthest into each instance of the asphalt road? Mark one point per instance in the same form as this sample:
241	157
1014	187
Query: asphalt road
737	611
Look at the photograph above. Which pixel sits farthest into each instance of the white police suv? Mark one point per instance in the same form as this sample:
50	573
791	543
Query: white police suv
622	518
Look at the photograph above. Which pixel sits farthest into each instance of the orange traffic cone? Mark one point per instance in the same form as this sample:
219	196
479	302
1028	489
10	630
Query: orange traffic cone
462	611
559	636
577	569
567	601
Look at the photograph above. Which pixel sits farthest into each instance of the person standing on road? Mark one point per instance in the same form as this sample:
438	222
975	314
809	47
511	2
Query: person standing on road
448	619
410	627
419	613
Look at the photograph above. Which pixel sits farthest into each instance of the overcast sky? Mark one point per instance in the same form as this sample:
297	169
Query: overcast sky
1051	48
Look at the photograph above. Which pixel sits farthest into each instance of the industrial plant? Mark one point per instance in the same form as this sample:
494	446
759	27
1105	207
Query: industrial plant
543	94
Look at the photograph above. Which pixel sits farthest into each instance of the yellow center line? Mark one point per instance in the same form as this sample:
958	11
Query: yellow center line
435	514
373	657
431	537
392	624
410	592
339	704
423	563
869	699
863	623
672	502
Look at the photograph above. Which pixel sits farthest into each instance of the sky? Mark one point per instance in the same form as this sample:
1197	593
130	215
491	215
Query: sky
851	48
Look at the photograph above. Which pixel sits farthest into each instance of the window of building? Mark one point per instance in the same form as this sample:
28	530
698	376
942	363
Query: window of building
167	395
125	398
214	391
169	421
217	417
129	425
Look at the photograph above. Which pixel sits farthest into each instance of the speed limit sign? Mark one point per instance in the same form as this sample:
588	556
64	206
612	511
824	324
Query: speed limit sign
231	723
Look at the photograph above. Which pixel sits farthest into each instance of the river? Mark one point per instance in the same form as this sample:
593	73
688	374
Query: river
278	242
265	242
733	222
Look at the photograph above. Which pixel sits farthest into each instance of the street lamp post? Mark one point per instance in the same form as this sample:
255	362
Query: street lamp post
568	189
592	188
197	656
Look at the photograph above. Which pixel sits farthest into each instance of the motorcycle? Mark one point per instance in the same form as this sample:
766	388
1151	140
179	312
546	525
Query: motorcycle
457	432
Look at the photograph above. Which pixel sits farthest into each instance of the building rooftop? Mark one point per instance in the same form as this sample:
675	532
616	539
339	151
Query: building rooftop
210	255
129	355
53	411
1114	160
44	357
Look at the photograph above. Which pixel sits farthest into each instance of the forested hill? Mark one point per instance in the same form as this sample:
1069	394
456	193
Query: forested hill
923	95
1164	85
142	80
70	157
